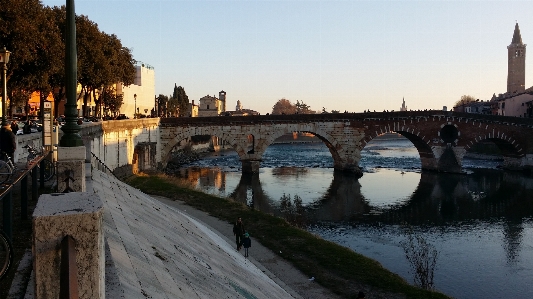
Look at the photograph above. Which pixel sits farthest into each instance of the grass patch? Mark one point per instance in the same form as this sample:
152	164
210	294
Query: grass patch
335	267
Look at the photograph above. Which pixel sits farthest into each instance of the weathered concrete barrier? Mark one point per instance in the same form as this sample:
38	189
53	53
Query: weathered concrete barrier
79	215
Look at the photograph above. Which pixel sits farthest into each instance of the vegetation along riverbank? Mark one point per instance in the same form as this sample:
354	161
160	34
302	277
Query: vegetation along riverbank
335	267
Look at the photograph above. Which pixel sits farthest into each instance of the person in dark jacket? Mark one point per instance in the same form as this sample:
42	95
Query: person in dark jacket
27	127
246	243
14	127
238	232
8	143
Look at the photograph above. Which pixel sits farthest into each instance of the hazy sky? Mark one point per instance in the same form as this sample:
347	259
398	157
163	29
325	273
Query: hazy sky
341	55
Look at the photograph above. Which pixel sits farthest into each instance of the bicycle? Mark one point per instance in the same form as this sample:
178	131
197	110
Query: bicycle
7	168
48	166
6	254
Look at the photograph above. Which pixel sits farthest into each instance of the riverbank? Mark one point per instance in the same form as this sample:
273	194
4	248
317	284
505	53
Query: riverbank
336	268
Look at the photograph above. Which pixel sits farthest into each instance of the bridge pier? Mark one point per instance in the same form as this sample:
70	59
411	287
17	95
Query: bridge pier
250	166
448	159
512	163
351	169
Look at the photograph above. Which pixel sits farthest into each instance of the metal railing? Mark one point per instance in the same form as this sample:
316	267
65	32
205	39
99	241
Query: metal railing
100	165
6	193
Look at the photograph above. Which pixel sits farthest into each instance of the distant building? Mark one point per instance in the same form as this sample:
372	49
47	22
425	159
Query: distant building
211	105
194	109
403	108
516	63
144	87
240	111
518	100
477	107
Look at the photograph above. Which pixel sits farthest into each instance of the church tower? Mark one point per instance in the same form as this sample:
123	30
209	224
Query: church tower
516	63
222	98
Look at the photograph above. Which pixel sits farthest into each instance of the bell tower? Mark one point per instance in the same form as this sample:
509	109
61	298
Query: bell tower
516	63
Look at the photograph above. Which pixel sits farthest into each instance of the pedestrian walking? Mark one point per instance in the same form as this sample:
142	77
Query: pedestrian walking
246	243
238	232
8	143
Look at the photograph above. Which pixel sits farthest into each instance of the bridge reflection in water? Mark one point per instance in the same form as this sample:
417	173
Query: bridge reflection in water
481	222
438	199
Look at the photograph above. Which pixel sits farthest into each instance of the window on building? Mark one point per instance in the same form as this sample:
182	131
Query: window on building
207	106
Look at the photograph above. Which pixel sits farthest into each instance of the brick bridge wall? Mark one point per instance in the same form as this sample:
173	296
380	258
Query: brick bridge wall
441	138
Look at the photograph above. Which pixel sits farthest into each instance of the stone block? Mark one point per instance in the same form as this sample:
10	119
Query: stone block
80	216
71	153
71	176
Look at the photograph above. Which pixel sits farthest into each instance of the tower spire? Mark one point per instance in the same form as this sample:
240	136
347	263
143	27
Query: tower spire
516	63
517	38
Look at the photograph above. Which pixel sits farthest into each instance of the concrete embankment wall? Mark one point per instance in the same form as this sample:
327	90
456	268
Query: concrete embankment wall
158	252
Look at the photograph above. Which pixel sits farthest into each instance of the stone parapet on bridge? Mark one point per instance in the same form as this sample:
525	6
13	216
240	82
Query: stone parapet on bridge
441	138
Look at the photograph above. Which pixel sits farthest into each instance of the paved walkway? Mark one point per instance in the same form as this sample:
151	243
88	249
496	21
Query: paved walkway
281	271
160	252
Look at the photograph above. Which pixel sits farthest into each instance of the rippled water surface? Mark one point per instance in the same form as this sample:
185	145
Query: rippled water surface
481	222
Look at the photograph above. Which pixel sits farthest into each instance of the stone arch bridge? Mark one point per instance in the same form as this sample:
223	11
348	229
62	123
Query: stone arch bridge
441	138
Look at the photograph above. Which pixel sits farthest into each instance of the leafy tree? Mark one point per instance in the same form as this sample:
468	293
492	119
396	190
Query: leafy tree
162	102
112	101
303	108
324	111
57	78
37	62
119	69
180	101
91	60
31	60
284	106
465	99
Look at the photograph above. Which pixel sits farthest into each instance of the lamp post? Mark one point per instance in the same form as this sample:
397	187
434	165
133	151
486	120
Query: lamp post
4	59
155	107
71	129
135	109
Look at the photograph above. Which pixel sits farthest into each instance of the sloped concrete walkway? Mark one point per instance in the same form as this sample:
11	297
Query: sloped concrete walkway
158	252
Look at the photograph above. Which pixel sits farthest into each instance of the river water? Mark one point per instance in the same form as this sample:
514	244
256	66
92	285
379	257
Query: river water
480	222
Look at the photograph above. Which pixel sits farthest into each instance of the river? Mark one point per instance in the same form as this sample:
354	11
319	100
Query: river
480	222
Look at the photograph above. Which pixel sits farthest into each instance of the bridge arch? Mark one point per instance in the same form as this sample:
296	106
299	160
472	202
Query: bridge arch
509	144
420	141
240	148
330	142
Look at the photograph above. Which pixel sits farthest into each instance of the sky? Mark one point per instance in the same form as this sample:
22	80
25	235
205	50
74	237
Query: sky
338	55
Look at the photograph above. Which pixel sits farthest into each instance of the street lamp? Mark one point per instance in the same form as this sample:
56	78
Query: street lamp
135	109
4	59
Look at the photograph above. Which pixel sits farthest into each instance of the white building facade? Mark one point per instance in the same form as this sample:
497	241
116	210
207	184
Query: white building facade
143	87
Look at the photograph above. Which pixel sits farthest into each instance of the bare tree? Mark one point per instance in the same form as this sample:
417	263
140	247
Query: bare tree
422	256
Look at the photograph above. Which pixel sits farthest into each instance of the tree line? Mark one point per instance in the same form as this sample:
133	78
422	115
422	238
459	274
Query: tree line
35	34
284	106
176	105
